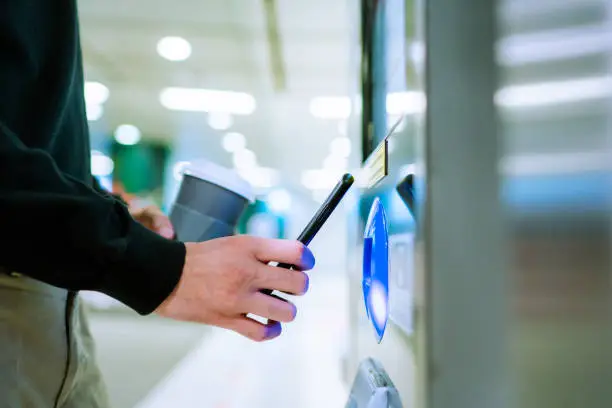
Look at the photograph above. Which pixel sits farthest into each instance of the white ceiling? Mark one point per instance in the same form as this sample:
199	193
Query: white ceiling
231	51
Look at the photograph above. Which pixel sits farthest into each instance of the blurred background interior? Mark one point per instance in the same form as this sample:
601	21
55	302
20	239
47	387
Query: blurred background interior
499	277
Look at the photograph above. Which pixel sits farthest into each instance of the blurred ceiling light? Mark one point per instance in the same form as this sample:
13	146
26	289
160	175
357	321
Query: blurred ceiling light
96	93
341	146
101	165
260	177
339	107
178	169
233	142
402	103
333	162
127	135
556	164
320	179
174	48
220	120
551	93
94	112
331	107
106	183
554	45
206	100
245	159
279	200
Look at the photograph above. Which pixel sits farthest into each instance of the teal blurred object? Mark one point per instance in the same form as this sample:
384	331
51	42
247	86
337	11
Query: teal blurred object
259	214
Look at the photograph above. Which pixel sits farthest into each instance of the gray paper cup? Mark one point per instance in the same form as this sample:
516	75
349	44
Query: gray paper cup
209	203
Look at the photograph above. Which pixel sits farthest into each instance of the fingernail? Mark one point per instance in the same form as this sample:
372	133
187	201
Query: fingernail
274	330
308	259
167	232
294	311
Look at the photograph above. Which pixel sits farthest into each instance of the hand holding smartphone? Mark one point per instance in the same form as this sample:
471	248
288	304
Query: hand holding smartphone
321	216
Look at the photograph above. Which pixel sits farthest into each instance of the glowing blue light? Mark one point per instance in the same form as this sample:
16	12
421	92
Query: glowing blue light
376	269
378	304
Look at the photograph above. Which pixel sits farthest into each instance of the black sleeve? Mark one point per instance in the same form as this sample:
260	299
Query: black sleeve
100	189
63	232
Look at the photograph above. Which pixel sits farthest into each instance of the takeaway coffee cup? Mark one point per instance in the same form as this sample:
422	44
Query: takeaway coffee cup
210	201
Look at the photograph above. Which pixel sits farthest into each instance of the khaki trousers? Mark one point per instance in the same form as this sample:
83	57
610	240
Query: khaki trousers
47	356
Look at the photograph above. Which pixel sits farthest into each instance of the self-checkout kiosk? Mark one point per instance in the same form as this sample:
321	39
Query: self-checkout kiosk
407	346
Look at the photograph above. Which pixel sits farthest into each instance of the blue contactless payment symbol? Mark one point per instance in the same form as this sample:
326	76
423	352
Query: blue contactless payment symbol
376	269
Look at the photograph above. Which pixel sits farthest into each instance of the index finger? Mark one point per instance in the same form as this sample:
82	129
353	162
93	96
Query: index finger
285	251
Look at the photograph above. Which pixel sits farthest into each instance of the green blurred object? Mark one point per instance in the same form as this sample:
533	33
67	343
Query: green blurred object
139	168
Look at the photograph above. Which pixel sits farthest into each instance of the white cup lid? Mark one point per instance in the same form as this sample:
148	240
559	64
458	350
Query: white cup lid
221	176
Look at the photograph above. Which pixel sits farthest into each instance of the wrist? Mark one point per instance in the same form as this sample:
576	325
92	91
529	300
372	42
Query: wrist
190	249
149	272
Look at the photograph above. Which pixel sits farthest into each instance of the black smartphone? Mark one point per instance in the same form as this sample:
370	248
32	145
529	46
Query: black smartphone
322	214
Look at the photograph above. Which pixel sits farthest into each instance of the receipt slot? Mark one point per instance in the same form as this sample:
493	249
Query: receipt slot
375	280
373	388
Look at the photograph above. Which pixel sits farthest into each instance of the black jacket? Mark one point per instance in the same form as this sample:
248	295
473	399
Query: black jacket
56	224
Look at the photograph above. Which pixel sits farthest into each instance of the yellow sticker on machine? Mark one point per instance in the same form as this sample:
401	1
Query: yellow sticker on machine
376	167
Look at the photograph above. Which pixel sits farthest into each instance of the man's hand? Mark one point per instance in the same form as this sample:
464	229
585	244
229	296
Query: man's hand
222	279
154	219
